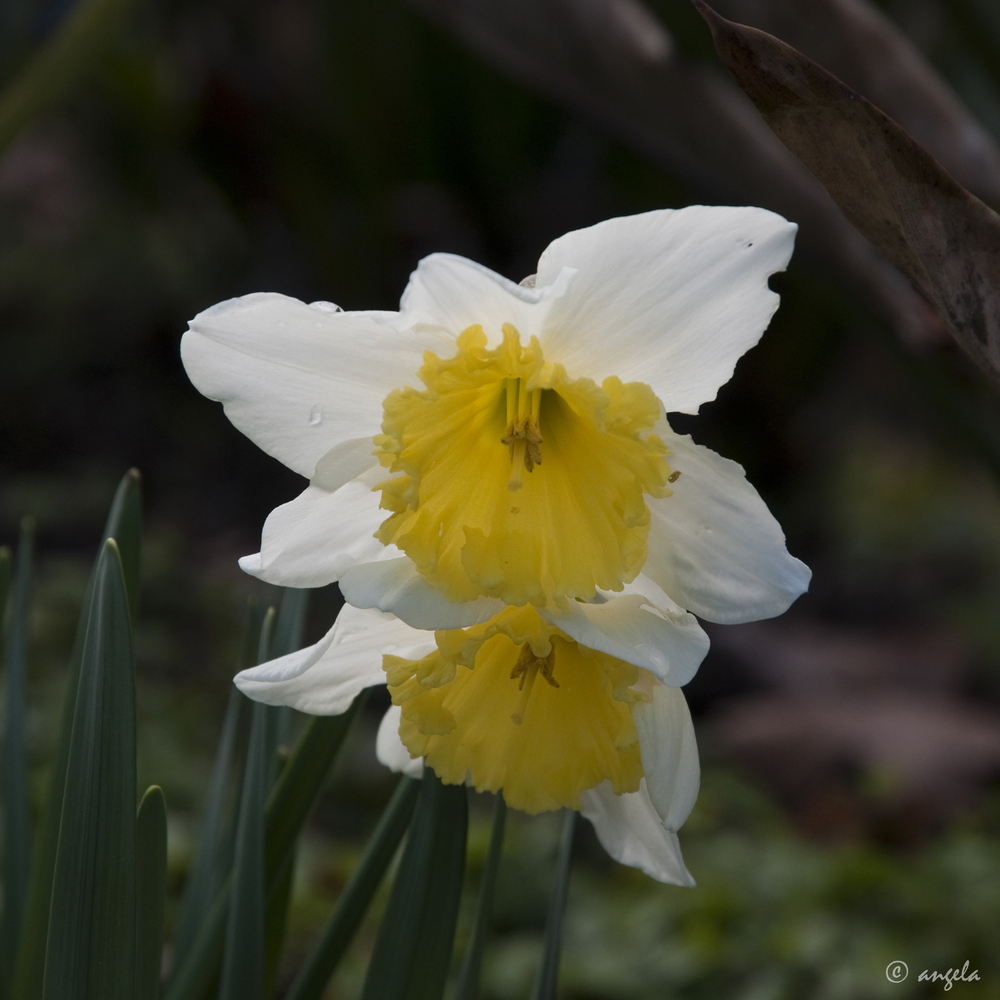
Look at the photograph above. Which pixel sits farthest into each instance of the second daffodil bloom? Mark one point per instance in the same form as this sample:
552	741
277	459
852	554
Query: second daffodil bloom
496	444
518	705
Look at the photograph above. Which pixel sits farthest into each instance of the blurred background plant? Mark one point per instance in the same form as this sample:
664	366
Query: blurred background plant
160	156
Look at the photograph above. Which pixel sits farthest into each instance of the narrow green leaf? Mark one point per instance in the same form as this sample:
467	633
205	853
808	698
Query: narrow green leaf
548	974
413	948
60	64
6	560
266	632
124	525
16	858
91	941
291	621
34	931
332	942
151	891
243	957
214	852
196	977
272	713
287	809
302	780
287	637
275	916
213	856
6	571
468	980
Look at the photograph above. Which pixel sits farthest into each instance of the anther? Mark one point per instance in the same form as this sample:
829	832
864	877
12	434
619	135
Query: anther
525	671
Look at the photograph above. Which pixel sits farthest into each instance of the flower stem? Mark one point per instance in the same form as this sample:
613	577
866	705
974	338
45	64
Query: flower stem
468	982
545	985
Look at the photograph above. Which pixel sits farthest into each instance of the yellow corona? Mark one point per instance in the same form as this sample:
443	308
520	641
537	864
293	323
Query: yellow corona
516	704
516	481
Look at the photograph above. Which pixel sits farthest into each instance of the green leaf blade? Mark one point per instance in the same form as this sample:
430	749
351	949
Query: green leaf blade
91	938
213	856
291	621
302	780
287	809
125	514
124	525
548	974
151	891
336	935
414	944
15	861
243	958
468	980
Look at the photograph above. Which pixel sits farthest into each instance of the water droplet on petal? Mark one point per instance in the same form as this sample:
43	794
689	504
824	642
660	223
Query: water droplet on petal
316	417
325	307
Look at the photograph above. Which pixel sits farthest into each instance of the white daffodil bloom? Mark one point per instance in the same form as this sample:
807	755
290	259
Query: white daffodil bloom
517	705
494	444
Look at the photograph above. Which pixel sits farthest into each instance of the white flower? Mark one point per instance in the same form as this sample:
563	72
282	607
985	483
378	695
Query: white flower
541	718
538	510
535	463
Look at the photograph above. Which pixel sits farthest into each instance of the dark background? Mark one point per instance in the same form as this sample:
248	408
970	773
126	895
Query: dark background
320	149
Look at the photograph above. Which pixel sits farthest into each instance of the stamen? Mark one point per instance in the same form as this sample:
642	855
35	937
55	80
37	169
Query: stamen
517	716
523	435
536	405
527	669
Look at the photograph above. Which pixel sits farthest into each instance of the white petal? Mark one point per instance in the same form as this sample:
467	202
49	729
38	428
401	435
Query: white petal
297	379
669	754
312	540
448	293
641	626
669	298
396	586
714	547
324	679
631	832
389	747
344	462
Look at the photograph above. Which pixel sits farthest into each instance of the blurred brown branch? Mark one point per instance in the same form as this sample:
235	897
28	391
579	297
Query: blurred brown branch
614	62
856	42
944	239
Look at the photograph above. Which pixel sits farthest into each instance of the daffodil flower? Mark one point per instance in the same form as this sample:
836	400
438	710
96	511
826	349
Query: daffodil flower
517	704
495	444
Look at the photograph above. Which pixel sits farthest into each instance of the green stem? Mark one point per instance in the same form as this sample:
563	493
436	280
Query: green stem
545	987
468	981
353	903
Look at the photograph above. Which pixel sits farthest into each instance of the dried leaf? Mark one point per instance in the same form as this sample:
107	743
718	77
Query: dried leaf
858	43
944	239
614	63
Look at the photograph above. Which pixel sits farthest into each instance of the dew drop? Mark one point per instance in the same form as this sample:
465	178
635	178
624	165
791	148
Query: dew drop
316	417
325	307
